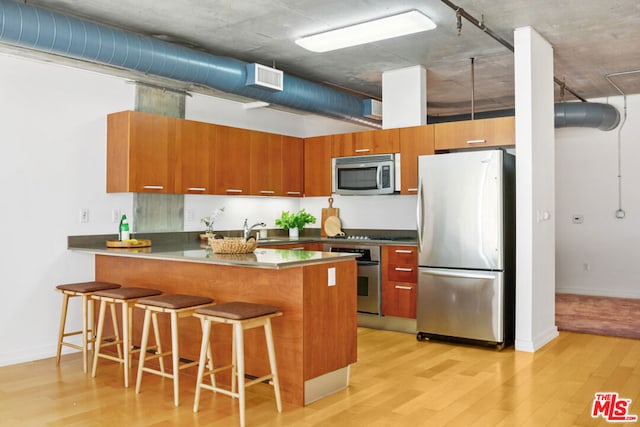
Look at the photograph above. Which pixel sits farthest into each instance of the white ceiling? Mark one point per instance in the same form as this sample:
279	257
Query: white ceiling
591	38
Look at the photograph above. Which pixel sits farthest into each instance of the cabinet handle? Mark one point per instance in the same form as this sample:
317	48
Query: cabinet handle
407	288
267	192
404	251
231	190
301	248
362	150
153	187
196	189
294	193
404	269
476	141
412	189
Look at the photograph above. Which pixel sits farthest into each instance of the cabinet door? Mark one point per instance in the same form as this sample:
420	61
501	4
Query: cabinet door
195	172
414	141
140	152
399	299
475	133
266	164
317	166
366	143
292	166
232	161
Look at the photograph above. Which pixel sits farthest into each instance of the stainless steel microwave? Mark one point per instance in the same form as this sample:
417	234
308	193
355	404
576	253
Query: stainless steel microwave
366	175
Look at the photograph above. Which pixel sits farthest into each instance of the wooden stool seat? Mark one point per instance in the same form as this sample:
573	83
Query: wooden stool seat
241	315
126	297
83	290
178	306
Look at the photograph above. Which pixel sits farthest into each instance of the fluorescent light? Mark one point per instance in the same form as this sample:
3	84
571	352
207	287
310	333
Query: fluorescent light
368	32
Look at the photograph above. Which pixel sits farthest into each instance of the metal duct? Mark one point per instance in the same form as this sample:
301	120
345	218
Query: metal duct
43	30
586	114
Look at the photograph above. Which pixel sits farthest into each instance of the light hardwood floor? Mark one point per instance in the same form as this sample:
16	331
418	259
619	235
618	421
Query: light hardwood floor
397	381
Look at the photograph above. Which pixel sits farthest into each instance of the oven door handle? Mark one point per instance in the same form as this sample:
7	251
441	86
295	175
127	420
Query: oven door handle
368	263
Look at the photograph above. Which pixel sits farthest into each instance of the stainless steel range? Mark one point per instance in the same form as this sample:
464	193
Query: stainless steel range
368	273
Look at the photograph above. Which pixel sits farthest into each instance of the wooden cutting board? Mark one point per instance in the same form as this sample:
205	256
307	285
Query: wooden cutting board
132	243
326	213
333	227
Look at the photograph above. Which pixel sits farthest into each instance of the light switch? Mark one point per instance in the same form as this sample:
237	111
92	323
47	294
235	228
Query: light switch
331	276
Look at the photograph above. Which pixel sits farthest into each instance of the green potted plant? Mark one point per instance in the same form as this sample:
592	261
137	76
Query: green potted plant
295	222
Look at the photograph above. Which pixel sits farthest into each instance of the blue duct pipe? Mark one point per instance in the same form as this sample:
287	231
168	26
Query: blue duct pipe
43	30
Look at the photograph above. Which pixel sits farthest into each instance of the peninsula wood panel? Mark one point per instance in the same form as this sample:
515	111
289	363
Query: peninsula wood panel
296	351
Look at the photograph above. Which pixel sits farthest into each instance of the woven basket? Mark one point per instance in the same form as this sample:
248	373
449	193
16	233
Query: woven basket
232	245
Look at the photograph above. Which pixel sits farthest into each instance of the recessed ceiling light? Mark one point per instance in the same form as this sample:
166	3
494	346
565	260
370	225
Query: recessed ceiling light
368	32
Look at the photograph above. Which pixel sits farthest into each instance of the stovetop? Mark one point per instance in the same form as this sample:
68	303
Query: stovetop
372	237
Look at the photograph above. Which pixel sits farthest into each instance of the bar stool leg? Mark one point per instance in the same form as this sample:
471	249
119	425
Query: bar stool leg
156	334
98	343
85	332
143	347
272	363
126	325
63	320
239	340
204	351
116	329
175	357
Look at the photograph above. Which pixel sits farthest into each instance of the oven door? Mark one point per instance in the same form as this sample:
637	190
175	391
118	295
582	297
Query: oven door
369	287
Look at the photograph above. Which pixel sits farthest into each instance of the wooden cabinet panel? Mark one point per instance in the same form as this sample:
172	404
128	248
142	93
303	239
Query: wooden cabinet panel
317	166
292	166
266	164
232	161
140	152
414	141
399	280
366	143
195	162
475	133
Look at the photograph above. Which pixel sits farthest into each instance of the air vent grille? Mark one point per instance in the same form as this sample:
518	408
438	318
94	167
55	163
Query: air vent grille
262	76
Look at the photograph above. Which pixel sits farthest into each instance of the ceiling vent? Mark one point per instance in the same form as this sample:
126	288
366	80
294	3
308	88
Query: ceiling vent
263	76
372	109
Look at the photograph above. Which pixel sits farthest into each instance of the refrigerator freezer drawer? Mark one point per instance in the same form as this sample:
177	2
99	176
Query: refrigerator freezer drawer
461	303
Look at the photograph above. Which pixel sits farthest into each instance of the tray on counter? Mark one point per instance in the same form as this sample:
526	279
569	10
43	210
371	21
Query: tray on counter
131	243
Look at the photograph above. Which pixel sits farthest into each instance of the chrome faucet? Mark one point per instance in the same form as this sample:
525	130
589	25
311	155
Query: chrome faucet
246	229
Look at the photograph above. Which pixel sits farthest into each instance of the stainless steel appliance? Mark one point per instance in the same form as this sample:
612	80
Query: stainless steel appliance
466	242
366	175
368	274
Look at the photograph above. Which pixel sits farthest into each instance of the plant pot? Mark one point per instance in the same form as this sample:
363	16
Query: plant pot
294	233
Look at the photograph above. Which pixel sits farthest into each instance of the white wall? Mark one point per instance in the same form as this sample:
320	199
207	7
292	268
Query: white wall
599	256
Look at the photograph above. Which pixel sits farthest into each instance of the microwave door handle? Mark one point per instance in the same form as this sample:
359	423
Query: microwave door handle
379	178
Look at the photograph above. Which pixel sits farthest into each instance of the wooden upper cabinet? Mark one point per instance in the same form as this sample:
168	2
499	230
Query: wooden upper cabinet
292	166
140	152
232	162
475	133
366	143
195	162
317	166
266	164
414	141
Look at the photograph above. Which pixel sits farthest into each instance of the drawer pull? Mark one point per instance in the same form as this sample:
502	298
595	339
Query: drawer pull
153	187
232	190
267	192
404	251
404	269
294	193
476	141
412	189
301	248
196	189
362	150
406	288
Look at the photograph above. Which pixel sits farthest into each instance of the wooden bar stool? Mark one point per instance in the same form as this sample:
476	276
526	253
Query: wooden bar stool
241	315
84	290
126	297
178	306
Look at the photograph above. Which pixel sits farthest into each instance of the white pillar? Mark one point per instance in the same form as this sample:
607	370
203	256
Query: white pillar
535	194
404	97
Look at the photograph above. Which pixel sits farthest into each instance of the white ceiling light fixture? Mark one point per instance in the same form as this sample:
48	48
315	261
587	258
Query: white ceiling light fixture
367	32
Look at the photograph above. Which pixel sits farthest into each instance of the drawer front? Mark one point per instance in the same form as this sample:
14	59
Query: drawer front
403	273
399	299
403	255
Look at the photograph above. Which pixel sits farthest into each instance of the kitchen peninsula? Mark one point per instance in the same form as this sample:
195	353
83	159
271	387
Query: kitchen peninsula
315	339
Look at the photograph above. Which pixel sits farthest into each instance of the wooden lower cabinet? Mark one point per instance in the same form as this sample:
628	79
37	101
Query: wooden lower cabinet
399	281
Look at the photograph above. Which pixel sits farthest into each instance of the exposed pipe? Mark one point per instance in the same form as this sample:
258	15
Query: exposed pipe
460	12
43	30
586	114
473	88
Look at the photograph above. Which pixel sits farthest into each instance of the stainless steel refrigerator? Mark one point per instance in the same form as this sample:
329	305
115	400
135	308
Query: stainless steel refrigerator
466	239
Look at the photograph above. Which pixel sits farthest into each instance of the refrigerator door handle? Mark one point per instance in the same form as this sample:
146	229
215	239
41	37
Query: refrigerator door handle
420	213
458	273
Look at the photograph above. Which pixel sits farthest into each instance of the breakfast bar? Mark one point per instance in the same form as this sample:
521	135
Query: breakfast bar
315	339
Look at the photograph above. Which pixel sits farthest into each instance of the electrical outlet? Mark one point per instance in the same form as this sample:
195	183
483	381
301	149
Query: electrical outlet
84	215
331	276
115	216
